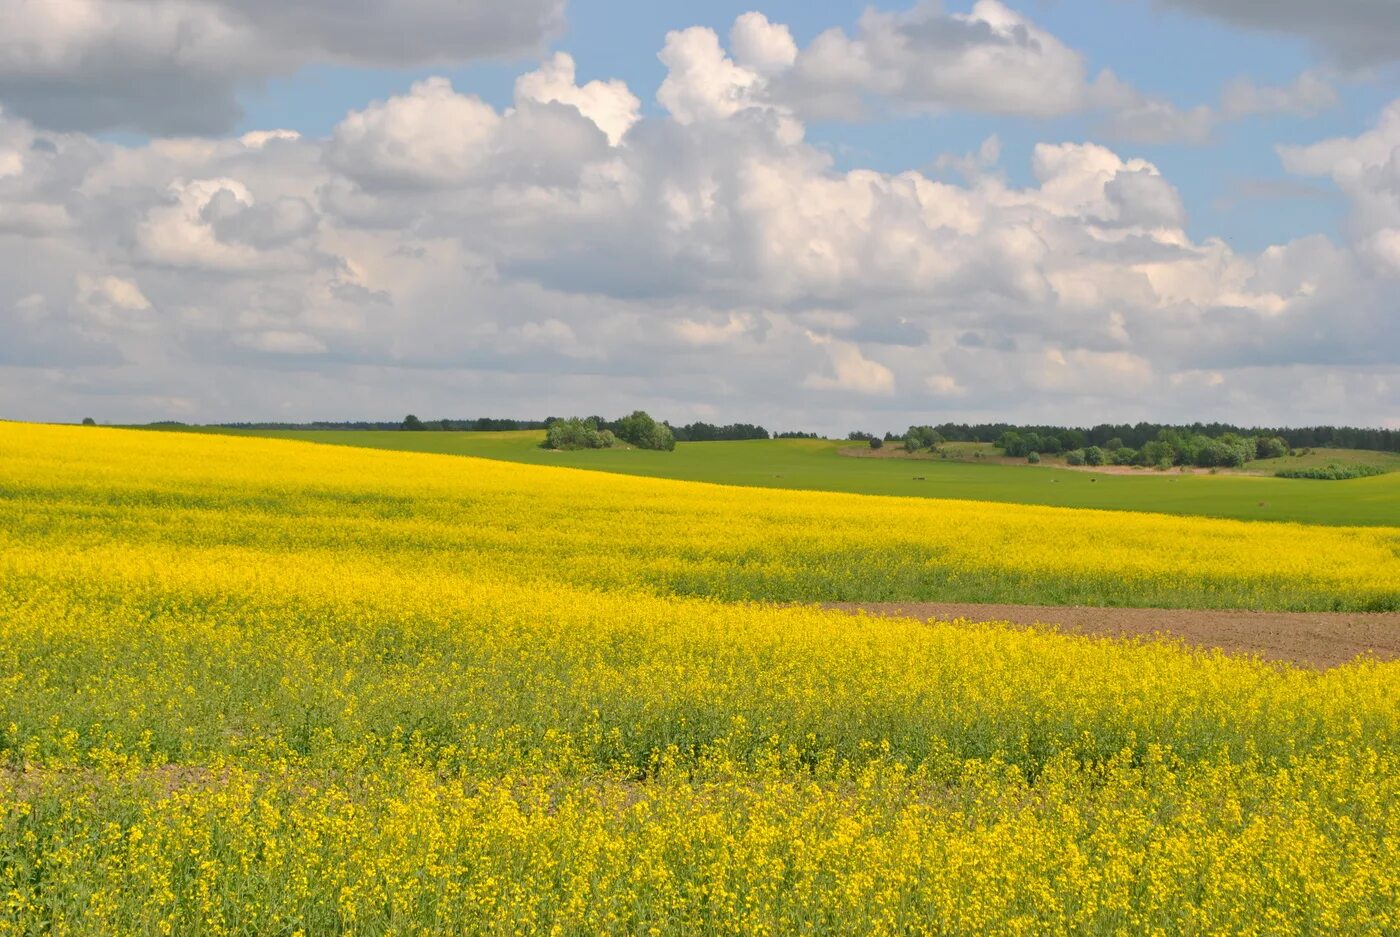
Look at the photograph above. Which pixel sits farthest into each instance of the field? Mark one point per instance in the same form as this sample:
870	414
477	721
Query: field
809	464
254	686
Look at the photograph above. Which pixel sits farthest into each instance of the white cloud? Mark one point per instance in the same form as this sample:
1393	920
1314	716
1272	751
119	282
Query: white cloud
177	65
765	47
991	60
849	370
1367	170
609	104
562	254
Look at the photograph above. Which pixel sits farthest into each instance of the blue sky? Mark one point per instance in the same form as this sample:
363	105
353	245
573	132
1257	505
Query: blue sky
808	214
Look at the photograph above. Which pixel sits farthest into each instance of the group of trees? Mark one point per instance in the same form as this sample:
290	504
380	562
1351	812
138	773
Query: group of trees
1138	435
1170	447
709	432
637	429
411	423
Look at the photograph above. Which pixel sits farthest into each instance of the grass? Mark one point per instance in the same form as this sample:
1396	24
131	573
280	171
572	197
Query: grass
815	464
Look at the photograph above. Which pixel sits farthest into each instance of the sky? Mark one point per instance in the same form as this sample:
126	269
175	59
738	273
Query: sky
813	215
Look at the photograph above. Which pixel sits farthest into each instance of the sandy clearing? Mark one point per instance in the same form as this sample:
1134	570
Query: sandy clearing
1310	639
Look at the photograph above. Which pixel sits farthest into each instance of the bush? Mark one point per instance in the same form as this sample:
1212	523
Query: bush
1156	452
1033	458
1125	456
1332	472
1093	456
1074	457
1273	447
412	422
876	442
577	433
642	431
921	437
89	421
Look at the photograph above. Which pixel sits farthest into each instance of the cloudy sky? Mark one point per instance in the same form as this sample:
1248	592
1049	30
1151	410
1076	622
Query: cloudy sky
815	215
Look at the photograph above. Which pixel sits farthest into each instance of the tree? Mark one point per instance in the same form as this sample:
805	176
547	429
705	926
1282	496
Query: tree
89	421
642	431
412	422
876	442
1074	457
1093	455
1271	447
576	433
1033	458
922	437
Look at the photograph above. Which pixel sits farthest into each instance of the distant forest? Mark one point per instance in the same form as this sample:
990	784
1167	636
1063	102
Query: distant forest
1134	435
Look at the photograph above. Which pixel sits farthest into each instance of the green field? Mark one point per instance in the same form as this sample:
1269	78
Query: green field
816	464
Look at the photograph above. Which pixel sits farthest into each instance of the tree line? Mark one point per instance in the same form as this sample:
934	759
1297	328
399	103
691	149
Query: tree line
1138	435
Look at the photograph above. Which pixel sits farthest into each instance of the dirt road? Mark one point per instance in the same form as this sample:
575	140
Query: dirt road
1311	639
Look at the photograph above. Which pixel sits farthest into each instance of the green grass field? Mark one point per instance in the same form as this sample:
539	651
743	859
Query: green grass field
816	464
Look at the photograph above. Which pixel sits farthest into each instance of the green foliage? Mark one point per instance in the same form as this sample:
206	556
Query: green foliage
1093	455
639	429
1270	447
1033	458
1125	456
89	421
922	437
413	424
577	433
1074	457
876	442
1333	472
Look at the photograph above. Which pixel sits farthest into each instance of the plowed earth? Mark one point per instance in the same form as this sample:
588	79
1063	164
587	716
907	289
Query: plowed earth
1310	639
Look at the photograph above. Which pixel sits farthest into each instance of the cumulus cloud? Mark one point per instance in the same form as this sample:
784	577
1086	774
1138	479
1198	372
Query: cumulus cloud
609	104
566	253
176	66
1367	170
991	59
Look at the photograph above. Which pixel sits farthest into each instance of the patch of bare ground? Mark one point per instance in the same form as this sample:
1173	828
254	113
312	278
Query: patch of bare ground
1310	639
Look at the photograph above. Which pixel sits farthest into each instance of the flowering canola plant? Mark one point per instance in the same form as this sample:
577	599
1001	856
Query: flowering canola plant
253	687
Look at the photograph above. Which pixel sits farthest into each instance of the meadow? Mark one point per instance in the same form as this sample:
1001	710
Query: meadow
816	464
262	687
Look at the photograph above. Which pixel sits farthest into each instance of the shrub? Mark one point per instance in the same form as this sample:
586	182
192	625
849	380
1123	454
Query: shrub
1093	456
1125	455
1075	457
1033	458
922	437
577	433
642	431
876	442
89	421
412	422
1273	447
1156	452
1332	472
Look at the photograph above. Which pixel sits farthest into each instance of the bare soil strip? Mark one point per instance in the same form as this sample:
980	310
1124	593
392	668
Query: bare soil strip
1310	639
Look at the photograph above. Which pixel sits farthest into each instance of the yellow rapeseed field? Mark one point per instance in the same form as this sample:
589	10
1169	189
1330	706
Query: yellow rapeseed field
258	687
